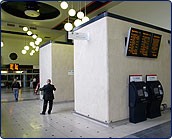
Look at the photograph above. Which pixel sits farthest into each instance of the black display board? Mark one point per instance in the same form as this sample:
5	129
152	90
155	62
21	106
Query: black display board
14	66
142	43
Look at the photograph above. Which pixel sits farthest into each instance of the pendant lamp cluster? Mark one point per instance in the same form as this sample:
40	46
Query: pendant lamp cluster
81	17
33	44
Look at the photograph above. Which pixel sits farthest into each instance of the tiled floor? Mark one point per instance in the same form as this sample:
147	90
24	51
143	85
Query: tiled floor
22	119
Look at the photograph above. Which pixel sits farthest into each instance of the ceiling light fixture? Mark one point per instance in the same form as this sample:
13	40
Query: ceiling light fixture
29	33
39	39
31	44
72	12
80	14
33	51
26	47
31	54
37	48
2	44
68	26
64	5
25	28
24	52
32	9
77	22
85	19
34	36
31	13
37	42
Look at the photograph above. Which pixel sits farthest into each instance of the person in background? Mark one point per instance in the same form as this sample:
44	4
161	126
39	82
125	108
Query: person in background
31	83
7	84
37	89
34	83
15	87
48	96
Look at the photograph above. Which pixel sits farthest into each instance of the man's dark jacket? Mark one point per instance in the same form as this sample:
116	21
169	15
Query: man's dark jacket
48	91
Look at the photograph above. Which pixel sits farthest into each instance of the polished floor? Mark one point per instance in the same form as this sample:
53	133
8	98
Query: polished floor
22	119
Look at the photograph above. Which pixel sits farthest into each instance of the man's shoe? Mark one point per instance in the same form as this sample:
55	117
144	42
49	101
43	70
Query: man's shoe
42	113
49	112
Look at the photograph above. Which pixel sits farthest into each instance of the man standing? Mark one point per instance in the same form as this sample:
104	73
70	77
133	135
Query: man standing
15	87
48	96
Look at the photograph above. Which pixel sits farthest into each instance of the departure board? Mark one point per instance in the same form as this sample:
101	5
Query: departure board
14	66
142	43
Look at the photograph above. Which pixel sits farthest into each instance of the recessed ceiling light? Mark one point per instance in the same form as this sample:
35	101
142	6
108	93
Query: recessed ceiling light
31	13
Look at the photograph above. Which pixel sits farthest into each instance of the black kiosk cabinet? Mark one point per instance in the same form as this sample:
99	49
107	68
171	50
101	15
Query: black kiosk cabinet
138	98
156	95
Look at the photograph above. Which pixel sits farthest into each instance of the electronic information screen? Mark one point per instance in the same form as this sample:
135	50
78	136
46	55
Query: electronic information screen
142	43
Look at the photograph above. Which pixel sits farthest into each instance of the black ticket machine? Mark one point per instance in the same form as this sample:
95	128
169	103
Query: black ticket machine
138	98
156	95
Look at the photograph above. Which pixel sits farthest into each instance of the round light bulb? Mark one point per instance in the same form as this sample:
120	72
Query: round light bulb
37	42
77	22
37	48
2	44
31	44
64	5
68	26
72	12
34	36
25	28
80	15
33	51
39	39
24	52
29	33
85	19
31	54
26	47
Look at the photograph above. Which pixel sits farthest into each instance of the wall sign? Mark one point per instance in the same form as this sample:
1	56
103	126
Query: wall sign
135	78
78	36
152	77
71	72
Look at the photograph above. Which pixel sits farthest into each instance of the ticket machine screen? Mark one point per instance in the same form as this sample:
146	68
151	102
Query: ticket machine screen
140	92
156	91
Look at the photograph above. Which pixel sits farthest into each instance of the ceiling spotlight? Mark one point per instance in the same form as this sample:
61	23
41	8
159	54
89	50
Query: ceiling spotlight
68	26
26	47
32	9
85	19
77	22
24	52
72	12
34	36
29	33
64	5
25	28
80	15
31	13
